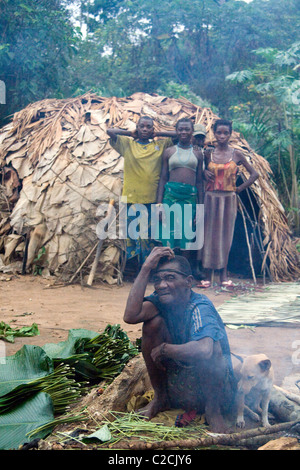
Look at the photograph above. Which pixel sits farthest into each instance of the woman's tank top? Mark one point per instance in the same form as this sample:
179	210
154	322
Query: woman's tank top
183	158
225	175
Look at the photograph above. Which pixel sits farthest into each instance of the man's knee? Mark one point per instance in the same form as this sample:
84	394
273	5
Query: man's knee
213	373
151	327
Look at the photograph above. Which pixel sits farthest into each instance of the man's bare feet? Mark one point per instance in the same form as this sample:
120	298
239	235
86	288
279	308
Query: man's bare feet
217	425
153	408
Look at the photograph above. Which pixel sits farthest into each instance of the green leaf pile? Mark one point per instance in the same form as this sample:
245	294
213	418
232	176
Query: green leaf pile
7	333
28	415
59	372
94	356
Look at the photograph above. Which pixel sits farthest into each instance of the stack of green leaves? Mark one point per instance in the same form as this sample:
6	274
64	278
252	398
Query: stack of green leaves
31	392
31	371
56	372
94	356
110	351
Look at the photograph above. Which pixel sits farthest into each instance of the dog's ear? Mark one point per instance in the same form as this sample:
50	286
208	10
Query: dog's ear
265	365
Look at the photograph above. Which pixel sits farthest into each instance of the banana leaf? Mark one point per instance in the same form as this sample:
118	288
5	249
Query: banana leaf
28	364
72	352
21	420
7	333
69	348
103	435
32	371
94	355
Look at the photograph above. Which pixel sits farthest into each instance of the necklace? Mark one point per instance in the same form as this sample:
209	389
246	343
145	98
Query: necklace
143	143
184	157
215	159
184	146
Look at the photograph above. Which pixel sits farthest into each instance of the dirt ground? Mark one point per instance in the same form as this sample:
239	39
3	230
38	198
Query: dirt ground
57	309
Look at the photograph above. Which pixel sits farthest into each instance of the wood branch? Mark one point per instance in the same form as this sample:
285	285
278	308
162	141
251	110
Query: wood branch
95	263
290	395
248	244
99	247
283	408
234	439
83	263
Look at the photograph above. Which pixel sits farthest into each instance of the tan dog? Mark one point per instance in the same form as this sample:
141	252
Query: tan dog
255	381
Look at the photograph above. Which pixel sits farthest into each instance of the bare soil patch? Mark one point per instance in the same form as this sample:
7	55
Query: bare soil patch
57	309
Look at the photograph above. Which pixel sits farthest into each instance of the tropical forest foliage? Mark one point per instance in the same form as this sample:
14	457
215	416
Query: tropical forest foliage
239	58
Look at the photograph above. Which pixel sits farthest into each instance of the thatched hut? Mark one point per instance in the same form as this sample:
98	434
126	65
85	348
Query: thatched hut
57	167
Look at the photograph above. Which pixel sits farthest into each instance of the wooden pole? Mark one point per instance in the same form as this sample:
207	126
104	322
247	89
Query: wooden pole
83	263
99	247
248	244
87	257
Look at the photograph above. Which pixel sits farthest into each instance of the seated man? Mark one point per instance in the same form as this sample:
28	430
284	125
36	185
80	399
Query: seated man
184	341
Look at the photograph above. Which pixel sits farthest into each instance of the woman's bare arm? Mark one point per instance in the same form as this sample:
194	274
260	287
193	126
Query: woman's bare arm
240	158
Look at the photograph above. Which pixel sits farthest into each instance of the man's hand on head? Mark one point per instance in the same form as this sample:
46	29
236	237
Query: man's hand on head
156	254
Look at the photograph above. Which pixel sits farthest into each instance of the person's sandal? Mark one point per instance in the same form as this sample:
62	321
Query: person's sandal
227	283
204	284
185	419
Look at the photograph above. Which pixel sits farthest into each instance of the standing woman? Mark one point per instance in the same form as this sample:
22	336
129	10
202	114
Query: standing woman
181	185
220	203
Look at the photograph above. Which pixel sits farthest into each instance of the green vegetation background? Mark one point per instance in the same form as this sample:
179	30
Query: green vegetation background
239	58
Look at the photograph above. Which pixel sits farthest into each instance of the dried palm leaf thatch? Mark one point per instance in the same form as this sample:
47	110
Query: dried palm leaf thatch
67	168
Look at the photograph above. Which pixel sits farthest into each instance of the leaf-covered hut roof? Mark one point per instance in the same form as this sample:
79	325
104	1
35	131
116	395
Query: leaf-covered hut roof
67	168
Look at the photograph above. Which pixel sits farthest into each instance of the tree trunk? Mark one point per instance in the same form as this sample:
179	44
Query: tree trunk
133	381
282	408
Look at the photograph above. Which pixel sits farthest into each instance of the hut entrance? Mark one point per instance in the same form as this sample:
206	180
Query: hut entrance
246	258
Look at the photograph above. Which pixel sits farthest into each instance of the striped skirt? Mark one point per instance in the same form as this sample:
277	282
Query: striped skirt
220	209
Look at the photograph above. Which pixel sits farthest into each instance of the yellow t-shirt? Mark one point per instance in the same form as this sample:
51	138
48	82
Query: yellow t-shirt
142	167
